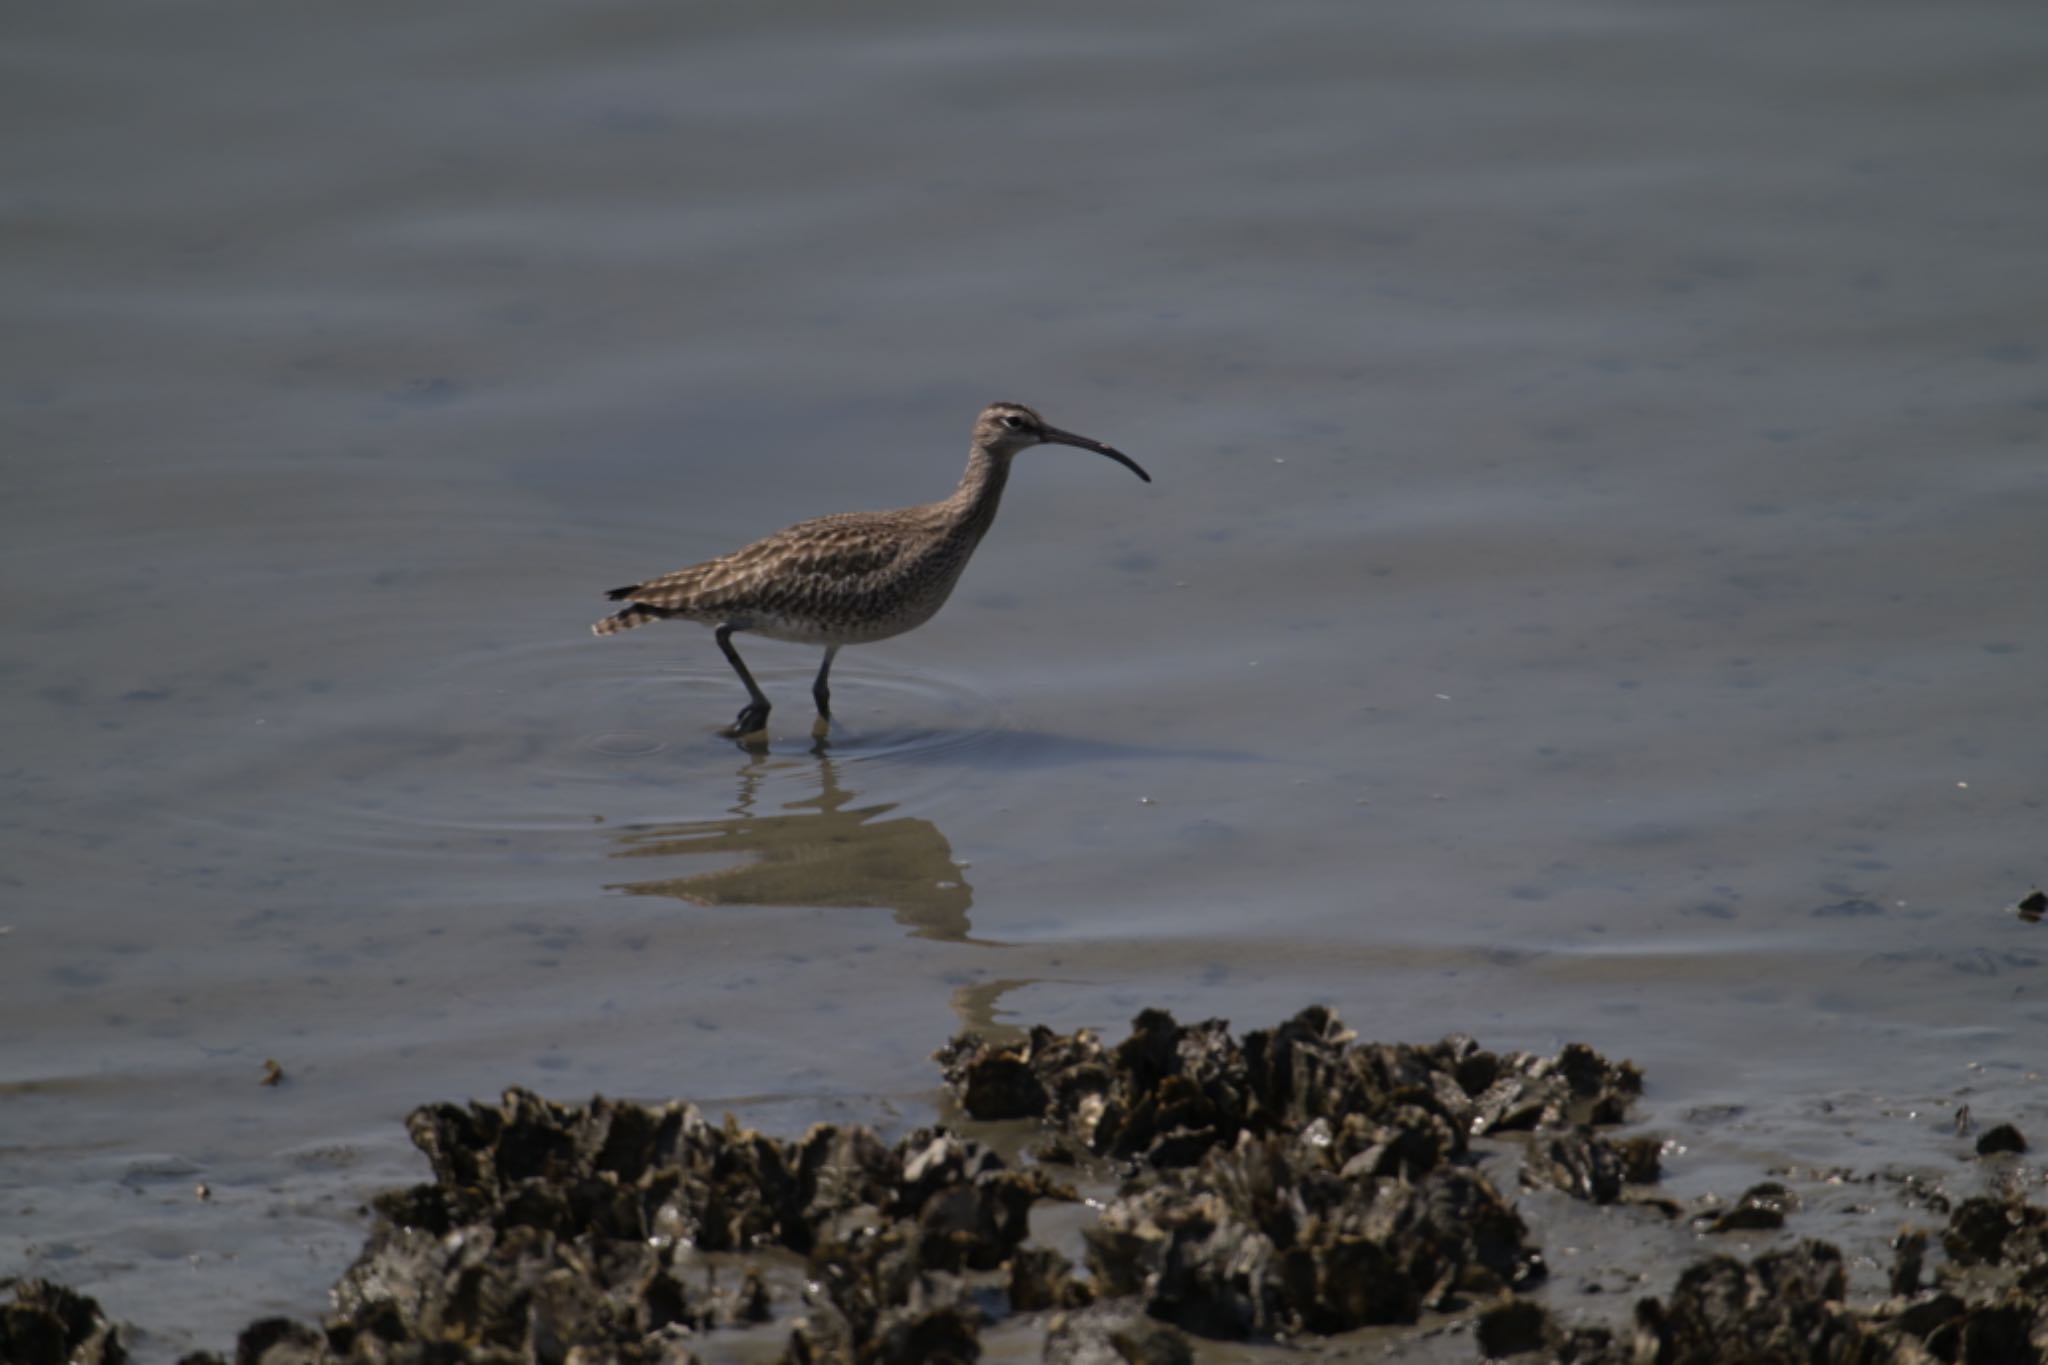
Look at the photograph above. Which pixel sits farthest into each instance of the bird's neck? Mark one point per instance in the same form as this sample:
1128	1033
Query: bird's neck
972	508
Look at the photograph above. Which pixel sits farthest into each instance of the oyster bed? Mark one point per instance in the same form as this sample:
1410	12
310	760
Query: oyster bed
1290	1185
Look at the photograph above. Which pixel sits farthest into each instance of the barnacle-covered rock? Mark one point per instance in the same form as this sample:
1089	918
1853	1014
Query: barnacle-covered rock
579	1231
1272	1237
1171	1093
1290	1181
47	1324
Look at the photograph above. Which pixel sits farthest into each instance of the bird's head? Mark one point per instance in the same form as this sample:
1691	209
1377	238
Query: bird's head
1003	429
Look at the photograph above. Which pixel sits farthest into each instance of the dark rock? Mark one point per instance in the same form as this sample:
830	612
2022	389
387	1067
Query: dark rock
1171	1093
1579	1162
1641	1160
1783	1306
1749	1218
1576	1087
993	1082
818	1338
1989	1231
557	1229
2005	1333
921	1333
1659	1205
1909	1252
2003	1138
749	1305
1595	1345
1976	1232
1268	1239
1041	1278
280	1341
1512	1328
47	1324
417	1206
1928	1315
884	1306
1761	1208
971	1211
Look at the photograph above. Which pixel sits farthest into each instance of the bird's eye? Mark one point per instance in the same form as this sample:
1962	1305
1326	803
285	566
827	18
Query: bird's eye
1014	422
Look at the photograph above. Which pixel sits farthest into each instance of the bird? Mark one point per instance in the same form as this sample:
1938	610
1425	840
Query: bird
851	578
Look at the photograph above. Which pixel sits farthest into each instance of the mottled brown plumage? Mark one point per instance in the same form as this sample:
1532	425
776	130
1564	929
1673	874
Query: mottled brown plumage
851	578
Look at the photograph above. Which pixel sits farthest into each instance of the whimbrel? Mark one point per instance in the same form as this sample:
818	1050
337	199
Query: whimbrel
851	578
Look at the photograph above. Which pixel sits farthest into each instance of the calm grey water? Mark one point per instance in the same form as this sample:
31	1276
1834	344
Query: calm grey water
1591	587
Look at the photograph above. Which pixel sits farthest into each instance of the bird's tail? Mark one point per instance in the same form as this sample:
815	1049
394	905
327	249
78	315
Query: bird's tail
635	614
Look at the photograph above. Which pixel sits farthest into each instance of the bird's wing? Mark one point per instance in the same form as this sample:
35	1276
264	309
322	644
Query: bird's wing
808	557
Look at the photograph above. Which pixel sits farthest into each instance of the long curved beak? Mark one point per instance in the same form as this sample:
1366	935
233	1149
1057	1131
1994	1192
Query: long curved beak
1054	436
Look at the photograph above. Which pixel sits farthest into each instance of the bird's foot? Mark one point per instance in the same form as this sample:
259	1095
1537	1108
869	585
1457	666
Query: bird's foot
821	729
752	720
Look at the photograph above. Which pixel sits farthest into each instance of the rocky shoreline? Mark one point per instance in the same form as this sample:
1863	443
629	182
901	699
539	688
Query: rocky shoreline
1289	1185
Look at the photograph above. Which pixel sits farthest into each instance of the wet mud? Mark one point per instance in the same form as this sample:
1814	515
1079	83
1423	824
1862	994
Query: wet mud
1287	1186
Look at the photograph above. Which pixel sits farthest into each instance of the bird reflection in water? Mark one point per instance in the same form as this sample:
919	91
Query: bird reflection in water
825	851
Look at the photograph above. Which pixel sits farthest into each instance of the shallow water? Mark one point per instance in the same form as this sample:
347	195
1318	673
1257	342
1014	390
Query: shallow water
1590	588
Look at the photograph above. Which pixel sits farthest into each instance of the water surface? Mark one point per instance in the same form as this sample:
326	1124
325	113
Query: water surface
1590	588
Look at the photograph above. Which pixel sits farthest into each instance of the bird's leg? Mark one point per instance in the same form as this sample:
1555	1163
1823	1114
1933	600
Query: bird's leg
754	716
821	692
